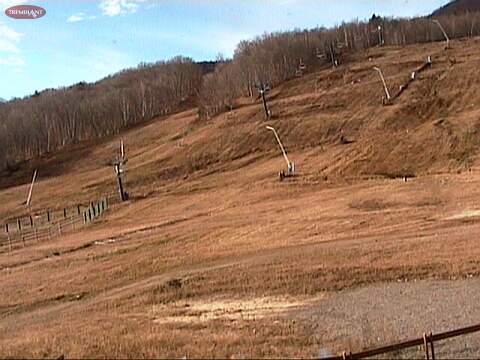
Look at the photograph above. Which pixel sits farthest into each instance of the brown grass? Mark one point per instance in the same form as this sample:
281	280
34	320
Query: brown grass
213	257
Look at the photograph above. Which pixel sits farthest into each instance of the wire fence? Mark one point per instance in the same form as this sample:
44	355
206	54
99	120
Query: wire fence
45	218
40	231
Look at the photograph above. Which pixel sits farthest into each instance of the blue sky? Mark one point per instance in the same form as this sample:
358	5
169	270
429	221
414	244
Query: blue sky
85	40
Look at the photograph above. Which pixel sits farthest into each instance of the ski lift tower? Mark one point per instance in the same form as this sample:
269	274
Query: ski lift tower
263	88
119	167
381	39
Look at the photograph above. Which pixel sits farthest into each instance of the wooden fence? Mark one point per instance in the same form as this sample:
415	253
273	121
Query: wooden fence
40	232
427	341
44	218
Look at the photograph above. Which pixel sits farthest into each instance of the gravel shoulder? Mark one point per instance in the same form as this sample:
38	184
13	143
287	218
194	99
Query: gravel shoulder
382	314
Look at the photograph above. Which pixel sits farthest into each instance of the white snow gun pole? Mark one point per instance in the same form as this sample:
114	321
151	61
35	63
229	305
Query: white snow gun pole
281	146
384	83
29	198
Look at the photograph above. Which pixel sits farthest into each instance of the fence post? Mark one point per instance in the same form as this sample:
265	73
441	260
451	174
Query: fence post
48	216
64	213
93	209
31	221
89	215
425	344
98	209
78	209
19	223
60	228
23	239
6	228
85	217
430	336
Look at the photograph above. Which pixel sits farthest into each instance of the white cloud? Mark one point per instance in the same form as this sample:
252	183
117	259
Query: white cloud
80	17
9	39
9	34
118	7
76	17
9	51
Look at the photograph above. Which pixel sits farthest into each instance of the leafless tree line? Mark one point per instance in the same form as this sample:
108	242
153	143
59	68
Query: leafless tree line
274	58
51	119
48	120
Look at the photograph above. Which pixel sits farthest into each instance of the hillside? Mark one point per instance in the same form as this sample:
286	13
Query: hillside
213	256
458	7
431	128
53	119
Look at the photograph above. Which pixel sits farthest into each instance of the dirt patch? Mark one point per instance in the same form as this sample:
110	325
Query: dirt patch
467	214
201	311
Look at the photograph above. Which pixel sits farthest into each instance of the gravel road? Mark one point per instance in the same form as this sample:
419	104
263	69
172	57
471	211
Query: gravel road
388	313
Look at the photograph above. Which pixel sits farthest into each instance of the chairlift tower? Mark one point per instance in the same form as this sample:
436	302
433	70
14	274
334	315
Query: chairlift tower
381	39
119	167
333	56
263	88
